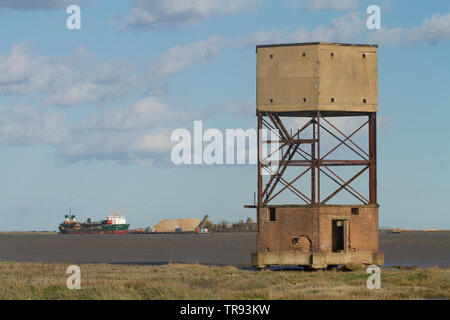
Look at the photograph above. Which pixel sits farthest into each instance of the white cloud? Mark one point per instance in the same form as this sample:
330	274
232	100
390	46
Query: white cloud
433	30
125	147
387	36
136	134
139	133
148	112
325	5
24	125
352	28
20	73
179	58
344	28
35	4
83	79
76	80
153	14
316	5
107	81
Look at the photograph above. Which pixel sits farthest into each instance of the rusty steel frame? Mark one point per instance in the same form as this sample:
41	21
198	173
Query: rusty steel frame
314	163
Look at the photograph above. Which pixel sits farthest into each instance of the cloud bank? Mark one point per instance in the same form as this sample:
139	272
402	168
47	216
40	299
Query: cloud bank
432	31
156	14
139	132
36	4
345	28
83	79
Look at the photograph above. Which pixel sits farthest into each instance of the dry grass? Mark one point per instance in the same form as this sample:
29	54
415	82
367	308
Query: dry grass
177	281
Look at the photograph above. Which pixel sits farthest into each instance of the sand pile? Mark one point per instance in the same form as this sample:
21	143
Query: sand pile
168	225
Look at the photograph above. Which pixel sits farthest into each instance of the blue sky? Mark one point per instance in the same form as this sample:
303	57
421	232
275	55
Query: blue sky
86	115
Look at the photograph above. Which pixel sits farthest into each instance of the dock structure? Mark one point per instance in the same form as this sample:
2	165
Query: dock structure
301	90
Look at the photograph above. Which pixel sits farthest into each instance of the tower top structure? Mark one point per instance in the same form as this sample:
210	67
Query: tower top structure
299	79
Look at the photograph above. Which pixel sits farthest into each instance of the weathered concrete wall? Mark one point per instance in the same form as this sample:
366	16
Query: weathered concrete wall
286	79
311	228
321	76
348	74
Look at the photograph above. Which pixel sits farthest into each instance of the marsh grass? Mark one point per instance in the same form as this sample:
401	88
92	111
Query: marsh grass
191	281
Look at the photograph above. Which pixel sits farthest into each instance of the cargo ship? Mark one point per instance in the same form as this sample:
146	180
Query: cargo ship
114	224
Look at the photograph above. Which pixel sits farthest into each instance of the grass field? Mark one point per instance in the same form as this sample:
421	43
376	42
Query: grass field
180	281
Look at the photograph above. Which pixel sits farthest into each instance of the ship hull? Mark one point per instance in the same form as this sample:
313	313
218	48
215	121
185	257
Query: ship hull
94	231
105	229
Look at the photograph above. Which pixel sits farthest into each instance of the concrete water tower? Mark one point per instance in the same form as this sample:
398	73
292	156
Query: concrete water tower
314	83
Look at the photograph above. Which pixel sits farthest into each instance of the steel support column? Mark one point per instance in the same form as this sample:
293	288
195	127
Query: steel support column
373	158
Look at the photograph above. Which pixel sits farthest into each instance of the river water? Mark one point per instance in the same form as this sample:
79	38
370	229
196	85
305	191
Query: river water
421	249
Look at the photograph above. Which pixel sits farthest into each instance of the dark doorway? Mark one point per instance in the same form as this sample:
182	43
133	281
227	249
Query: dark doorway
337	234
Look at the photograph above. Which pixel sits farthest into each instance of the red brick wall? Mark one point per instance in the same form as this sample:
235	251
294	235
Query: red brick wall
290	223
314	223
